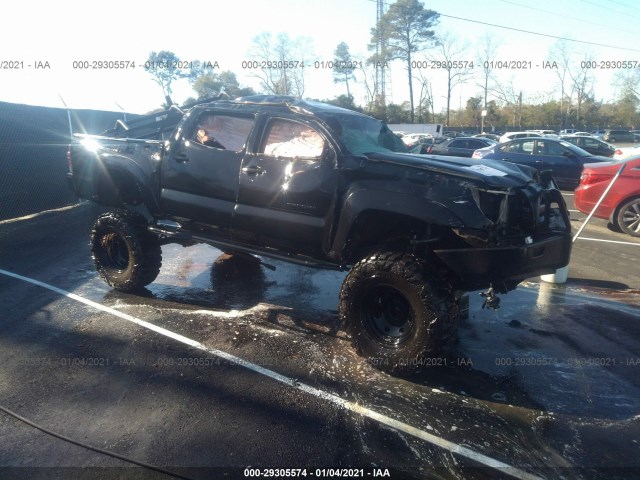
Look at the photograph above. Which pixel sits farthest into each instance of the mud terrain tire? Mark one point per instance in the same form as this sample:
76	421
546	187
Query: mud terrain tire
125	254
395	312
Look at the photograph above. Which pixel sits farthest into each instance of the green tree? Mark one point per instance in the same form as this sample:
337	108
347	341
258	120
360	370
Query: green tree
471	116
212	84
397	113
164	68
404	30
343	66
344	101
626	106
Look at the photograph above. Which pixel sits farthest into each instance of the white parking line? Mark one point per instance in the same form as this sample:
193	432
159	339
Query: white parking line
608	241
341	402
38	214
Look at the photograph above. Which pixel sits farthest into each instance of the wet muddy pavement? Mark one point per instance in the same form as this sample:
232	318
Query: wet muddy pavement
548	386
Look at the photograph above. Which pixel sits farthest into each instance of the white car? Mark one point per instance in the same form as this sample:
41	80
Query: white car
598	134
415	138
626	152
513	135
546	133
579	134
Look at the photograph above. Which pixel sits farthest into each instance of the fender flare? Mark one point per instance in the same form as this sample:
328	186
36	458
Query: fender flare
361	200
116	180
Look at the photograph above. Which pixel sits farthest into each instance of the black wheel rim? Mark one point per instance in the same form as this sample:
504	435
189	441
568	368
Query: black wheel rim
631	217
113	251
387	314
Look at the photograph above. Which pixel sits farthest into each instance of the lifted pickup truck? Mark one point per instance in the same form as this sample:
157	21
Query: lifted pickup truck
325	187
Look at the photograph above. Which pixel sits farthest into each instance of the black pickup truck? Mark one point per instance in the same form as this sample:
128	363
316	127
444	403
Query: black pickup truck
325	187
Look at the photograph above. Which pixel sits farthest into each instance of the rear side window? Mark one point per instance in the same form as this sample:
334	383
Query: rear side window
476	144
527	147
514	147
554	149
222	131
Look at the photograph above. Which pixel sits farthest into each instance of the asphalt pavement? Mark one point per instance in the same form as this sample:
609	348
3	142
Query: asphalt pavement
228	369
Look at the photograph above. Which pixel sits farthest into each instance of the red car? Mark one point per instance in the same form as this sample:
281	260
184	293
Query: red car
621	206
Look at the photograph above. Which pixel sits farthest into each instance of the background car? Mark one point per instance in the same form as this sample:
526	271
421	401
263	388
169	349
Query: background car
591	144
460	146
412	139
452	134
490	136
627	152
612	136
546	133
621	206
598	133
564	159
422	145
513	135
568	131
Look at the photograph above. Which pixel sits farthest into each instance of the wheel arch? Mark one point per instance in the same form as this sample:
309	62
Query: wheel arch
369	217
116	180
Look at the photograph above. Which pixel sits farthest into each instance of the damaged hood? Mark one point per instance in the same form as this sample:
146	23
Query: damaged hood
494	173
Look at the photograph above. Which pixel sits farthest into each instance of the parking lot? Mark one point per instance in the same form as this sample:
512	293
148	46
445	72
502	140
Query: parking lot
222	365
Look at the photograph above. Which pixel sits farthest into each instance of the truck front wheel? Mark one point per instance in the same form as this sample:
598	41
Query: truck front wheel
125	254
395	313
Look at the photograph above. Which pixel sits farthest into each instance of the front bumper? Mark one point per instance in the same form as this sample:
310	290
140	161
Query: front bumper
505	267
541	211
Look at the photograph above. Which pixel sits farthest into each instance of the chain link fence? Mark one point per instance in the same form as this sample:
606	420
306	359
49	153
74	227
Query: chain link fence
33	155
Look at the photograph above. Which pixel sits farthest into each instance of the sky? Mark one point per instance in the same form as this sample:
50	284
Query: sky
54	35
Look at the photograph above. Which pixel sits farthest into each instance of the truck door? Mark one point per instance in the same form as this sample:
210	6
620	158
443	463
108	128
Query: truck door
287	189
200	176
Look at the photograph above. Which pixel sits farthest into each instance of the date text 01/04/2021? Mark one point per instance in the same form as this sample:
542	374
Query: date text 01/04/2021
250	472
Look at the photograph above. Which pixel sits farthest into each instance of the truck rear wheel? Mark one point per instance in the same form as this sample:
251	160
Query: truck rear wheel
395	313
125	254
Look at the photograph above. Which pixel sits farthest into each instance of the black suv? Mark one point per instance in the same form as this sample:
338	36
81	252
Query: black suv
459	146
591	144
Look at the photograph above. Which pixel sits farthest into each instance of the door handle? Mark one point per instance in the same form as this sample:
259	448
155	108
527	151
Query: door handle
253	170
181	158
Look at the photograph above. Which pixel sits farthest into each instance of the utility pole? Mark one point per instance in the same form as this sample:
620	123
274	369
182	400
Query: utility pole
381	49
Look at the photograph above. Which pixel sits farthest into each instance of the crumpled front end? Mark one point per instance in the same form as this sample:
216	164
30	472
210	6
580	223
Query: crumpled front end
528	234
